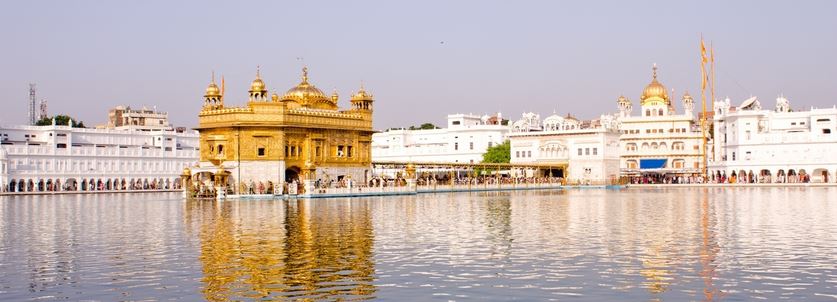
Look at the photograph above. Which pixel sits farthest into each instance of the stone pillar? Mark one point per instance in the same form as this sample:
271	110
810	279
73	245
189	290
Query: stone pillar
185	182
410	176
220	182
309	173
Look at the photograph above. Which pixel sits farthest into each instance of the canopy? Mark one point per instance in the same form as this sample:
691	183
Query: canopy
652	164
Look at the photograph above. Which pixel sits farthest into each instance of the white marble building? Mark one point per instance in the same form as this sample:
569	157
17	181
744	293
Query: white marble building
774	145
659	140
465	140
588	149
61	158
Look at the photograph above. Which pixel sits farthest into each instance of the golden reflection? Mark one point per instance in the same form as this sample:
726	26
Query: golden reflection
708	249
284	249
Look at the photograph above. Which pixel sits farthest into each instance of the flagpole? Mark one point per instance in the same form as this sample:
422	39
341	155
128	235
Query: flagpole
712	85
703	100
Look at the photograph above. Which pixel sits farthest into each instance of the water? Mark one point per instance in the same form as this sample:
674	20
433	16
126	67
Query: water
576	245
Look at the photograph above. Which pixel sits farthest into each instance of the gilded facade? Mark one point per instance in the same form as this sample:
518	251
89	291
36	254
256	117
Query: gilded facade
298	136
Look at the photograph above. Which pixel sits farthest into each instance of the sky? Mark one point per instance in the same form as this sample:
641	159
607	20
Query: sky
421	59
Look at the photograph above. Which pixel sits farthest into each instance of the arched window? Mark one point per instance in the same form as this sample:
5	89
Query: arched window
647	112
660	112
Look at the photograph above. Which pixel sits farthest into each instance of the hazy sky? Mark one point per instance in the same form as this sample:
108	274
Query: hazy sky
421	59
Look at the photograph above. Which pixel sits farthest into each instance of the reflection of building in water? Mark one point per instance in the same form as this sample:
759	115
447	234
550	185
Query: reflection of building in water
294	249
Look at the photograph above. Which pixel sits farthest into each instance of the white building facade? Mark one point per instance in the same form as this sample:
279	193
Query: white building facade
61	158
756	145
589	150
465	140
659	140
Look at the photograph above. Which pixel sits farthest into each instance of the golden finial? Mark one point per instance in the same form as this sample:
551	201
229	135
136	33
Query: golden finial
213	77
305	74
654	70
258	72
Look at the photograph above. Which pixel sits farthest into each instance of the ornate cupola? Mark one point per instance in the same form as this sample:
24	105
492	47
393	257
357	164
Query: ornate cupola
362	100
625	106
688	104
213	99
258	90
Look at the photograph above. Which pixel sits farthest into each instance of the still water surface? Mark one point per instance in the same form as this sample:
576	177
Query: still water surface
574	245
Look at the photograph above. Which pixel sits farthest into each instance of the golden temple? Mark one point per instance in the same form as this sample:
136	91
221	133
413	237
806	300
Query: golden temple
297	137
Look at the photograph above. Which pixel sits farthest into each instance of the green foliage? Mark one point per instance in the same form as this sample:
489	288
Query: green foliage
498	154
425	126
61	120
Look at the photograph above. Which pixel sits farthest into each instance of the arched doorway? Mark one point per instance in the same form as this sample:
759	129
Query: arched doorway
12	185
292	174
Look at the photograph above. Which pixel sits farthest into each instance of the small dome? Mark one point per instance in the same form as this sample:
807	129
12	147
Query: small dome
213	90
654	90
622	99
362	95
687	96
258	85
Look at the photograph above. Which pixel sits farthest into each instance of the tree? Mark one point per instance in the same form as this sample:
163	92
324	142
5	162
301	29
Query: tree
427	126
61	120
498	154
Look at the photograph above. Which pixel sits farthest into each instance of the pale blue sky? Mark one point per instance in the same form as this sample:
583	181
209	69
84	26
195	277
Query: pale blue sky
509	56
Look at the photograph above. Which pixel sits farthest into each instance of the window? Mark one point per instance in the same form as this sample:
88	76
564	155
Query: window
595	151
586	151
747	134
340	151
660	112
471	145
579	151
490	144
348	151
455	146
826	131
220	149
260	151
455	123
647	112
317	151
528	153
516	153
733	155
64	146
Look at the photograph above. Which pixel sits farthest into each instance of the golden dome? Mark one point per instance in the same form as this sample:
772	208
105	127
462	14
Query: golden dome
362	95
258	84
212	90
307	94
654	90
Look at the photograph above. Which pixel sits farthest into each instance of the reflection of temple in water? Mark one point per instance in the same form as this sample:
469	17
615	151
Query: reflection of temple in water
275	249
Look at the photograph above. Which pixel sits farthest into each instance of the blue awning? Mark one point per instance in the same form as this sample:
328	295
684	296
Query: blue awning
652	163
